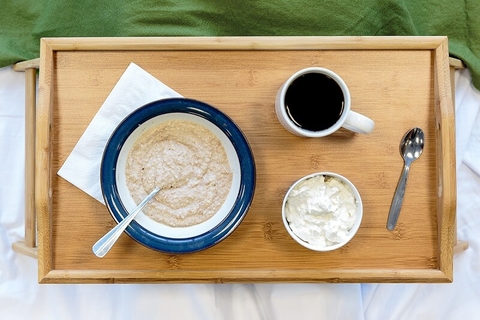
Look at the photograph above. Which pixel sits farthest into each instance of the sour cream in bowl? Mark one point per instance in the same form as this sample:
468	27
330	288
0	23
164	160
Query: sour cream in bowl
322	211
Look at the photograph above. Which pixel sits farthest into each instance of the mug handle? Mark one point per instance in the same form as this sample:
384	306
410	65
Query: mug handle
358	123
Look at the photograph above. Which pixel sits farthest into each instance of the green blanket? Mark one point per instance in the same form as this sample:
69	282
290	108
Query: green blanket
23	23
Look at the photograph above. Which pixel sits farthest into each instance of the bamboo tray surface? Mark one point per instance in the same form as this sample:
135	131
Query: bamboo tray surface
399	82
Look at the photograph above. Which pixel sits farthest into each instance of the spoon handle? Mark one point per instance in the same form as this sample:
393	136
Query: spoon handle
398	199
102	246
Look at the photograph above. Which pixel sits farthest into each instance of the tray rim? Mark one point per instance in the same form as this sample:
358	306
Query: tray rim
445	157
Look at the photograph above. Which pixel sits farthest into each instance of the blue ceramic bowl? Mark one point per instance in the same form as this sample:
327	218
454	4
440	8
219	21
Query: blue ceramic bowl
178	239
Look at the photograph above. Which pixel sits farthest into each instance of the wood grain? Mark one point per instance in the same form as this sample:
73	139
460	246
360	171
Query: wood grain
43	161
445	131
400	82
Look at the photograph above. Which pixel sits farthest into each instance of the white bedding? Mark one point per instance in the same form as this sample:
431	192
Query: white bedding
21	297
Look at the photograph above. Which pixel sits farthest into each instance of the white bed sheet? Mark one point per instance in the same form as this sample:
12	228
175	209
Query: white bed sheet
21	297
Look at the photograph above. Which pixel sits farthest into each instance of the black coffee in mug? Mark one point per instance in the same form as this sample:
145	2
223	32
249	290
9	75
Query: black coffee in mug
314	101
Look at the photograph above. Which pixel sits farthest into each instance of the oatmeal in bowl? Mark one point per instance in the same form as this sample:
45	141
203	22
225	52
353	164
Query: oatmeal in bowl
190	165
197	156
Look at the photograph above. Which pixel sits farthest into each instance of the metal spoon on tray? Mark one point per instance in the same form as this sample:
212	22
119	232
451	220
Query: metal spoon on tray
411	147
102	246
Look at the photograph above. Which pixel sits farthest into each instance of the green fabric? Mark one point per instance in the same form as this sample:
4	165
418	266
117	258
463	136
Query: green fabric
23	22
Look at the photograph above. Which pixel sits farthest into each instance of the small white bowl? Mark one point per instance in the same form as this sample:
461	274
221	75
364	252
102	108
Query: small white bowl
351	232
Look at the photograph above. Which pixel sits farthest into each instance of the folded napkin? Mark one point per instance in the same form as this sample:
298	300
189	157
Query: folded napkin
135	88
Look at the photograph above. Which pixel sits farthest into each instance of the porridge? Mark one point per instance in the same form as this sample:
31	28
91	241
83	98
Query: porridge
190	165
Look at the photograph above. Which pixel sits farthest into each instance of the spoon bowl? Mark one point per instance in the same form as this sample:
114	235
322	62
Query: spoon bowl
411	148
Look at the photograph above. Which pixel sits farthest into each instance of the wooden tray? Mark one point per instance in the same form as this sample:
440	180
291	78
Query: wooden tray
400	82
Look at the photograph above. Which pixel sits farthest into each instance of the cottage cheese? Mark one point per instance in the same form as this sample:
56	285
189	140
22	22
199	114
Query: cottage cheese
190	165
321	210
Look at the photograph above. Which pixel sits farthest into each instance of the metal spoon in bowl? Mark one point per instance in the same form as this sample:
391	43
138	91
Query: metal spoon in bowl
102	246
411	147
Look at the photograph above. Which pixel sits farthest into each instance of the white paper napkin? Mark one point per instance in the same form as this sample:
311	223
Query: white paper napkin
135	88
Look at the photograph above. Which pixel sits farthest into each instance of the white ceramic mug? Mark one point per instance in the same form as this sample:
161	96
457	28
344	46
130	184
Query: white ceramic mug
346	118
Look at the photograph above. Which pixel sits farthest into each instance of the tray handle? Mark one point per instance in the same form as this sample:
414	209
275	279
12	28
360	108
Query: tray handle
29	245
456	64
